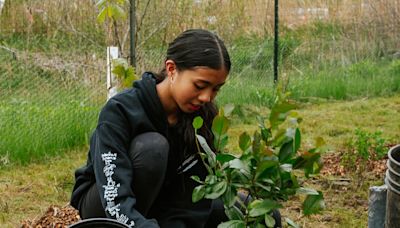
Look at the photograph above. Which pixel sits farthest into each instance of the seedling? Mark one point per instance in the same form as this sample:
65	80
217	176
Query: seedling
266	169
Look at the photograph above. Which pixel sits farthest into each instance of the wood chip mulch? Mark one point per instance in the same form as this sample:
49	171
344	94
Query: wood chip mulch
334	167
55	217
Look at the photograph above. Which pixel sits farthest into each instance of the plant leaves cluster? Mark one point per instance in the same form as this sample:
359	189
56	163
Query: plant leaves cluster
111	9
124	73
267	170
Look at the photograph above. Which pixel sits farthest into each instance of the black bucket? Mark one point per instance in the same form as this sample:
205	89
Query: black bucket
99	223
392	181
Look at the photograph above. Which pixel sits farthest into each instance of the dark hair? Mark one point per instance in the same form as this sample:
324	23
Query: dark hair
194	48
197	47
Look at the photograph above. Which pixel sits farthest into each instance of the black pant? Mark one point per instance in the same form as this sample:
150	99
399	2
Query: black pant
148	153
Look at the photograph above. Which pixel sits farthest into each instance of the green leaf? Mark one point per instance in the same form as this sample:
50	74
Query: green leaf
232	224
307	191
259	225
121	2
286	152
297	140
211	158
223	158
286	168
109	11
291	223
228	109
220	125
117	12
280	138
130	72
241	177
234	213
220	142
101	3
279	113
310	162
101	17
239	165
313	204
119	71
197	122
266	188
198	193
211	179
258	207
244	141
263	166
293	178
265	134
256	143
216	190
229	198
269	220
197	179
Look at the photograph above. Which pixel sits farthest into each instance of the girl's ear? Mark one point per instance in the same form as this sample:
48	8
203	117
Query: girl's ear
170	67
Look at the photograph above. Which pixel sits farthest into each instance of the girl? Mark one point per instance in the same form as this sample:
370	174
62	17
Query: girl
142	153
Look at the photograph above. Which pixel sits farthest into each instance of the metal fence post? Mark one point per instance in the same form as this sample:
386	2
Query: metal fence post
132	20
276	41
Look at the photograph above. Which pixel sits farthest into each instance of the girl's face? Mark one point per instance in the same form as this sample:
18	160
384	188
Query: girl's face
190	89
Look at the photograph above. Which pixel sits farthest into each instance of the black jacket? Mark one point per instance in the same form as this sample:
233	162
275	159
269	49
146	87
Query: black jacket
126	115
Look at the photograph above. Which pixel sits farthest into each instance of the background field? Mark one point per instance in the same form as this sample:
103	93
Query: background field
339	59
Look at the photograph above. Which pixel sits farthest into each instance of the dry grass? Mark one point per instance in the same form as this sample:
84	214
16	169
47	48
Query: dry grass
27	191
370	26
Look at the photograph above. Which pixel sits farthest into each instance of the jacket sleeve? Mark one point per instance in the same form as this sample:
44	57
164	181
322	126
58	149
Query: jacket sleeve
113	169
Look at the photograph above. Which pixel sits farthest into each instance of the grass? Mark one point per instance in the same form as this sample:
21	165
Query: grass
359	80
44	107
43	130
36	186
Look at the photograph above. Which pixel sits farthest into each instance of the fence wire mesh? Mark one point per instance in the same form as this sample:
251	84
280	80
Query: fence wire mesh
53	54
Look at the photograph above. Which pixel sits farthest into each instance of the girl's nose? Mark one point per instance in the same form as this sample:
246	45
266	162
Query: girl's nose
205	96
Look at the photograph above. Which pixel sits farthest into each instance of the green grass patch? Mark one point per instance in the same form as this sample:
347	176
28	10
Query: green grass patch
32	132
358	80
44	110
362	79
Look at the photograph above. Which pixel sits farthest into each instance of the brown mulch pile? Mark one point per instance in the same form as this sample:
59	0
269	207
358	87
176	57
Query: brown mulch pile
333	166
55	217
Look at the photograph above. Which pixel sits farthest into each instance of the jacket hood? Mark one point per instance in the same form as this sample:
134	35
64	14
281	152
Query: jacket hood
150	101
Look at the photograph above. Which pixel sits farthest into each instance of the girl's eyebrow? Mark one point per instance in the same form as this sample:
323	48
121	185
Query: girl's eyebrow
208	83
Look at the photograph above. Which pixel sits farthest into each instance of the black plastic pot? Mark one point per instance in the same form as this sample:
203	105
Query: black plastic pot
99	223
392	181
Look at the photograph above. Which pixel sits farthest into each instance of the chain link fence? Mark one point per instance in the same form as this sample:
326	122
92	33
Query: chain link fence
53	55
